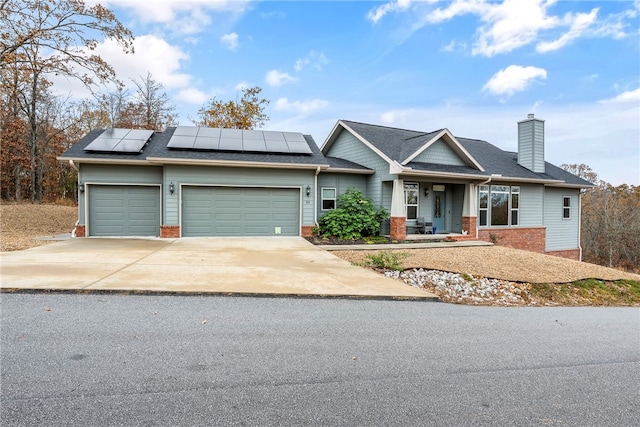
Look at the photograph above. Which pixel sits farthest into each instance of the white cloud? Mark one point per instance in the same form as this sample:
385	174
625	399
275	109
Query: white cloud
514	78
579	23
379	12
242	86
632	96
304	107
511	24
188	14
393	117
230	41
277	78
153	54
192	96
316	59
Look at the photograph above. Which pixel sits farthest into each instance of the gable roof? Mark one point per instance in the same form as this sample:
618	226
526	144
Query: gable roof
400	145
400	148
155	151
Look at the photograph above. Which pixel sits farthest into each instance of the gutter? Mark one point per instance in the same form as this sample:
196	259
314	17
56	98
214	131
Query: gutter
239	164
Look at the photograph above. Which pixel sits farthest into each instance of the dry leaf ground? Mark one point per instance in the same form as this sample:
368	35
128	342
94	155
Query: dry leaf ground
22	223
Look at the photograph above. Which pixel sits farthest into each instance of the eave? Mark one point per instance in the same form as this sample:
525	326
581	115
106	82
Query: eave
351	171
235	164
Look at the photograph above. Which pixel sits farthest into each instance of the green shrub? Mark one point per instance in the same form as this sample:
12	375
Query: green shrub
388	260
354	217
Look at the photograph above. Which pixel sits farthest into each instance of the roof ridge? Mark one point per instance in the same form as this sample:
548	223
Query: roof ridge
423	134
387	127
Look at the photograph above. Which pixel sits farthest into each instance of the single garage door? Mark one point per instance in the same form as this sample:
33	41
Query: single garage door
121	210
233	211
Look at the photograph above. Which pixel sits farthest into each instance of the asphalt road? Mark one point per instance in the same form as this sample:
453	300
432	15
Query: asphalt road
126	360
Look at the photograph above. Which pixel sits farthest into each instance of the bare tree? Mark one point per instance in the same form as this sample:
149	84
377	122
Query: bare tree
44	37
150	108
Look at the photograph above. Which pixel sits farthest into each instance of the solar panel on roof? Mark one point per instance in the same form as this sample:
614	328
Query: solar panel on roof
120	140
239	140
181	141
102	144
206	143
186	131
253	145
274	146
209	132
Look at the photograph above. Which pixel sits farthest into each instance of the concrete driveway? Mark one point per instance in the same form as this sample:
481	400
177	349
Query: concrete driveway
269	265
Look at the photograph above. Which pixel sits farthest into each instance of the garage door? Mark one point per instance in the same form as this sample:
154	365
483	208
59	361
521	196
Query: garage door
231	211
120	210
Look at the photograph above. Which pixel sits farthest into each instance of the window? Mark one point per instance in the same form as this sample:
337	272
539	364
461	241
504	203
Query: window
411	199
515	205
328	199
498	205
566	207
484	204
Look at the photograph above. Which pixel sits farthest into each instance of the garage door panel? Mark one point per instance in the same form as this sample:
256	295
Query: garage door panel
240	211
124	210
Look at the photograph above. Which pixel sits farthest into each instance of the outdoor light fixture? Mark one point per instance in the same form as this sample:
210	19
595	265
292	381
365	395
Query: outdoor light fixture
426	192
172	187
308	191
81	187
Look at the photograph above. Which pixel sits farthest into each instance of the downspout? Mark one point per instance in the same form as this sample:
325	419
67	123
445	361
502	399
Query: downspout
315	199
73	165
580	225
482	183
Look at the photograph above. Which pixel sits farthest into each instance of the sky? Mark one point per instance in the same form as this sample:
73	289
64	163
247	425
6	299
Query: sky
475	67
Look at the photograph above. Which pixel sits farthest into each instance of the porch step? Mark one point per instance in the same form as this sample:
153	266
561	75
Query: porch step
442	243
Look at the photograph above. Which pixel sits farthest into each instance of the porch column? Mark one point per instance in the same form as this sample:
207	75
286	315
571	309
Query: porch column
469	211
398	219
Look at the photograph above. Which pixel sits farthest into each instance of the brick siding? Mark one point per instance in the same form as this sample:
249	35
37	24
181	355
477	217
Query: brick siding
170	231
81	231
306	231
469	224
529	239
398	228
569	253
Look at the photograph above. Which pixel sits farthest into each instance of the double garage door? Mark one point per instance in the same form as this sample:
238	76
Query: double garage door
240	211
121	210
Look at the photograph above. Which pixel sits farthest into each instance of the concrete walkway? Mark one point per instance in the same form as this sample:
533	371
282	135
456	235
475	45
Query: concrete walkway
252	266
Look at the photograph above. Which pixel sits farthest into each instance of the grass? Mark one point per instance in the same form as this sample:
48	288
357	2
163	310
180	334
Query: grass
589	292
388	260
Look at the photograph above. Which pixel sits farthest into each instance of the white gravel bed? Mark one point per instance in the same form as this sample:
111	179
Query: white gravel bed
465	289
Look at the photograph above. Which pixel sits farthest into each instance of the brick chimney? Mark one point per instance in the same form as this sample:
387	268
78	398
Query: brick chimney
531	144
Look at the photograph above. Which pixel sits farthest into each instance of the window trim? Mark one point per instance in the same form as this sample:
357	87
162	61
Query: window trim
334	198
487	210
407	187
566	208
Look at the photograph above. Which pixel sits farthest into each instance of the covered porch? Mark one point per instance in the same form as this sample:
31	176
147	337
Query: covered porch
446	207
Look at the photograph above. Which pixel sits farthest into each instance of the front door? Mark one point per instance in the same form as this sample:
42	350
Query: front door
439	209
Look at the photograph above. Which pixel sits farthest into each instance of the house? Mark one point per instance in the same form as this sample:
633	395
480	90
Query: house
194	181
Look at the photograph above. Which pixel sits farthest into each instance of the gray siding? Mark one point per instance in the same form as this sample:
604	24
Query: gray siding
348	147
562	233
531	145
237	177
439	152
531	205
341	182
115	174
